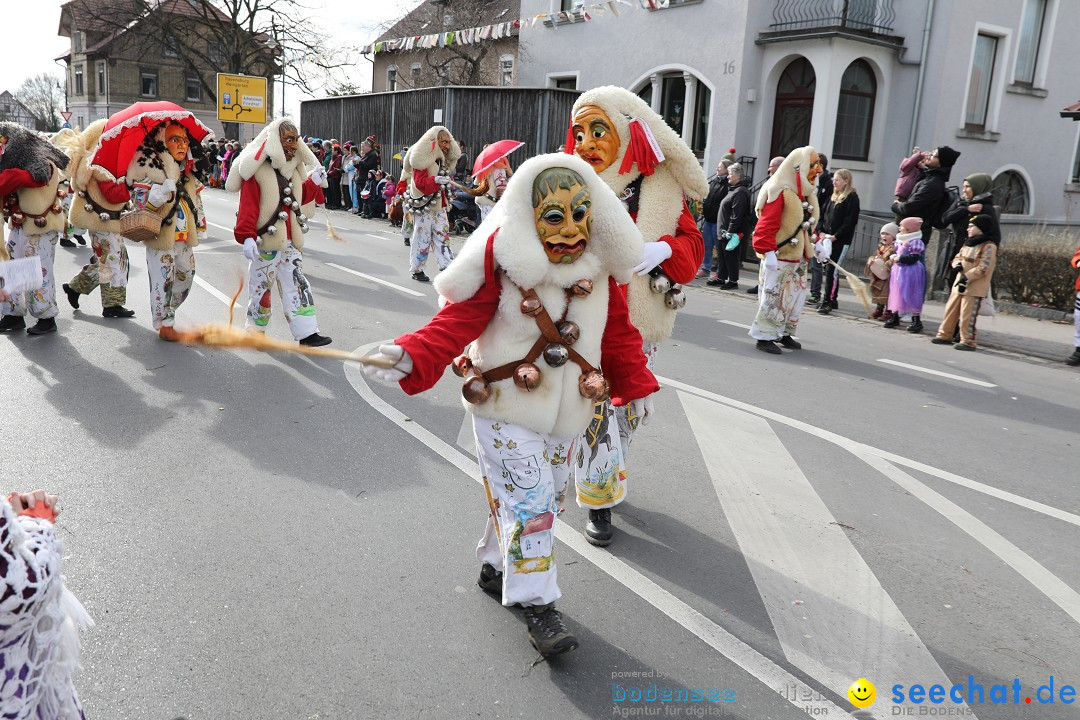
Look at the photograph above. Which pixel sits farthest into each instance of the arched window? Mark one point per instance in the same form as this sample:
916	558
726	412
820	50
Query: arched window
674	87
794	107
855	112
1011	193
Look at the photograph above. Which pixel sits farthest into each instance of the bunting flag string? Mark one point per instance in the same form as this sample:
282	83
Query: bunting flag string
584	12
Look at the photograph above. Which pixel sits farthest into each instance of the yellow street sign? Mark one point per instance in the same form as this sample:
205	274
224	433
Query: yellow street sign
241	98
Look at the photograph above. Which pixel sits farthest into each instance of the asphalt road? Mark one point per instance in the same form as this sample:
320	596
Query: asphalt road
272	537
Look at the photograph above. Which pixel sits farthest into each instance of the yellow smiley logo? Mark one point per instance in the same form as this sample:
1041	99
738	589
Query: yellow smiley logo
862	693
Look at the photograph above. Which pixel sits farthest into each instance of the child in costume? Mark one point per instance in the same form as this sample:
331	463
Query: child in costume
535	292
32	188
277	196
975	263
428	166
1074	359
878	269
907	279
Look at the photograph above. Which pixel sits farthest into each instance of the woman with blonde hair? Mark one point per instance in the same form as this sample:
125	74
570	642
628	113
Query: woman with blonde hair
841	215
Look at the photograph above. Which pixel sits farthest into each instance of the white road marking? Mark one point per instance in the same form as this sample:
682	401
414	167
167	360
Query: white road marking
212	290
846	625
375	237
928	371
855	447
736	324
746	657
226	229
372	278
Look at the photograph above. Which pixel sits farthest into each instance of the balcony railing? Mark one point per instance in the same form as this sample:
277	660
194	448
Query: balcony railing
865	16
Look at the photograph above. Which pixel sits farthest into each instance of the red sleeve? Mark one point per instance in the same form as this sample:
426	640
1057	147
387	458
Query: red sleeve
247	216
424	183
767	226
401	187
621	358
114	192
687	249
311	193
435	345
14	179
1076	259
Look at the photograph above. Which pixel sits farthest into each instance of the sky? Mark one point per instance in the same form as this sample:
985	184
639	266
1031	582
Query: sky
31	48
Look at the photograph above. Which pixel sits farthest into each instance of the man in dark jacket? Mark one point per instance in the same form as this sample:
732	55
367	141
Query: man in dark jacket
824	182
925	200
736	224
710	208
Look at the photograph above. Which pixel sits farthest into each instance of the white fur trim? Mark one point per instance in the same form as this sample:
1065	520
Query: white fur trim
796	163
268	141
614	245
160	115
425	154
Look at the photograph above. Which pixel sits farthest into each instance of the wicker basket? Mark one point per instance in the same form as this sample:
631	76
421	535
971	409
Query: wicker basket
140	225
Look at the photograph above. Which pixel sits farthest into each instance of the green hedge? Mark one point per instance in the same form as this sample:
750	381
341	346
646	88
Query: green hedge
1033	269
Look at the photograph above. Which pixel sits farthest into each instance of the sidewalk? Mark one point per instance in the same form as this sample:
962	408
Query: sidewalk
1045	339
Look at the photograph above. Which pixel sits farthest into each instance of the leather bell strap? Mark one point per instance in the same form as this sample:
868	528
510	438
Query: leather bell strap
100	210
273	221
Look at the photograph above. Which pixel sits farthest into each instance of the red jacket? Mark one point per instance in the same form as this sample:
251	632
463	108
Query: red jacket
247	216
1076	264
687	249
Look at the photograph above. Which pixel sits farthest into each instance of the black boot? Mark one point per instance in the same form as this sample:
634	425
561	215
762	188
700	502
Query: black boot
117	311
491	580
42	327
547	631
81	239
790	343
1073	359
893	320
64	242
598	530
769	346
72	296
11	323
315	340
420	277
916	324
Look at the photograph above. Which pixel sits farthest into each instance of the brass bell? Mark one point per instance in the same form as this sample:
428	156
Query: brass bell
461	365
556	355
61	192
531	306
272	230
568	331
660	284
592	385
283	215
582	288
18	218
40	221
527	376
56	207
476	390
675	299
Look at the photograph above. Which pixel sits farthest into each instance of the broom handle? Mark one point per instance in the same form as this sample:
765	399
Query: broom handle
377	361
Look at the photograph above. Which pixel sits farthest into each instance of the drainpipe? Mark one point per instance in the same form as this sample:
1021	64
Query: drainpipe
922	75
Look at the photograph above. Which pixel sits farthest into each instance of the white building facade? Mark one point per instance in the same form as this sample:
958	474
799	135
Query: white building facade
861	80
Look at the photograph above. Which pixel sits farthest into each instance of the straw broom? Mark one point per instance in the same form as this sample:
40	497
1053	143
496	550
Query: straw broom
330	227
857	286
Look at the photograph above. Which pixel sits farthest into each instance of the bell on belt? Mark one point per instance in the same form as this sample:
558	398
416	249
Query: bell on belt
582	288
18	218
272	230
40	221
304	228
88	207
592	385
527	376
660	284
476	390
104	217
461	365
287	190
568	331
556	355
283	215
61	192
56	208
82	193
531	306
295	205
675	299
301	216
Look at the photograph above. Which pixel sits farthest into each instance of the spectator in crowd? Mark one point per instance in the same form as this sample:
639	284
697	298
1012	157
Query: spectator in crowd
343	179
930	190
909	175
333	174
463	168
369	163
907	279
825	182
975	198
975	263
352	161
736	225
877	268
1074	359
774	164
710	209
841	215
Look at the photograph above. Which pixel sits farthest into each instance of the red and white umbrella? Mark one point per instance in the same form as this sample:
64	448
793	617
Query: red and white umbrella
492	154
127	129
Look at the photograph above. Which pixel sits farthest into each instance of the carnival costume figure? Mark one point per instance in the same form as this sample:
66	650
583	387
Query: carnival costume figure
427	169
785	240
277	197
32	188
535	293
652	171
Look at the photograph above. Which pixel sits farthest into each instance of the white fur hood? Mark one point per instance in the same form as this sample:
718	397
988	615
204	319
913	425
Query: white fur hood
614	246
267	145
425	152
791	175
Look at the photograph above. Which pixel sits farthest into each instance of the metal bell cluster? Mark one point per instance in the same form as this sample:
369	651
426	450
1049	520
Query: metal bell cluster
476	389
661	284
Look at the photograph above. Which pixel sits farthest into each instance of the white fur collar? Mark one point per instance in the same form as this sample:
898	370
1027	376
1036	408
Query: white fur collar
267	146
614	246
152	160
908	237
791	175
425	152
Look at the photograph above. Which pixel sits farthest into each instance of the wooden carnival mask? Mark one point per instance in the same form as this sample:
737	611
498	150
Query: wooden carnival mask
595	139
290	141
176	142
444	141
815	168
563	213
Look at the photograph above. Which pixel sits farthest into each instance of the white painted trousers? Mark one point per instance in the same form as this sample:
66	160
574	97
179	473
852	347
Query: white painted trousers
40	303
107	269
430	229
284	269
781	296
525	476
1076	320
171	273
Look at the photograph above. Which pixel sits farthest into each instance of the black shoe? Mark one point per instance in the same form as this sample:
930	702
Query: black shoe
64	242
1073	359
316	340
407	242
790	343
942	341
81	239
752	291
420	277
42	327
962	346
824	308
72	296
915	326
491	580
769	346
893	321
116	311
730	286
547	631
11	323
598	530
715	282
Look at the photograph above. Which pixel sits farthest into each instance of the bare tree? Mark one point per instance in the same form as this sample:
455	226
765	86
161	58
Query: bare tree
43	96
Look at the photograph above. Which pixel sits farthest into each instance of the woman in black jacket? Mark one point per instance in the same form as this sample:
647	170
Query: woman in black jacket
975	199
840	220
736	224
369	163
